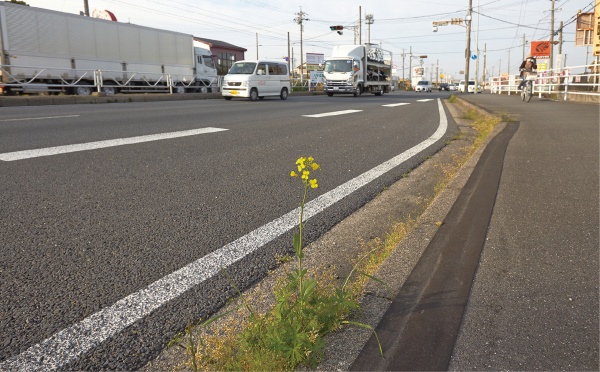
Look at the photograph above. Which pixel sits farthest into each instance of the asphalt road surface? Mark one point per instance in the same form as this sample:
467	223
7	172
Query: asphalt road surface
117	219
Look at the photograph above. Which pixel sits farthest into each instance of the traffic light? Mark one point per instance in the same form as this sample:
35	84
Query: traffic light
336	28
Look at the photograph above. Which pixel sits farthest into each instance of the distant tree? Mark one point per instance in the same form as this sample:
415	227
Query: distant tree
17	2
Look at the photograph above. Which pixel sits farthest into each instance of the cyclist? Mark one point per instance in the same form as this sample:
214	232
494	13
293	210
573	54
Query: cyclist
528	65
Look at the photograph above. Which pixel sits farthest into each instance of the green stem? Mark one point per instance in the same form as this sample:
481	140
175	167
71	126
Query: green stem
300	275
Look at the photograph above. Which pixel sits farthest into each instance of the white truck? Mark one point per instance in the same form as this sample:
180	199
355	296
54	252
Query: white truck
44	51
357	69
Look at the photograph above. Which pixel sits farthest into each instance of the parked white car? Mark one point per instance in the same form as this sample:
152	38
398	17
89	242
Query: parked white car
423	86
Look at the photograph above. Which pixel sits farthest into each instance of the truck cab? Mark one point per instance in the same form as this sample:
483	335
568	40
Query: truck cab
356	69
206	72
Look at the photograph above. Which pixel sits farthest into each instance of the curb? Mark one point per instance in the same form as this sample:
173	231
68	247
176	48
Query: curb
341	353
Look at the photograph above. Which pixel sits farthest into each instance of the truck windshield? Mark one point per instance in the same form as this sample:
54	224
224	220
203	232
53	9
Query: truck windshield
243	68
338	66
208	61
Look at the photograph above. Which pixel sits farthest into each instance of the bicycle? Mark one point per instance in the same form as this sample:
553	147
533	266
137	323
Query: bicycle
527	91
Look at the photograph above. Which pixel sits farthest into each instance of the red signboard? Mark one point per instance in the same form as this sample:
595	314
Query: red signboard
540	49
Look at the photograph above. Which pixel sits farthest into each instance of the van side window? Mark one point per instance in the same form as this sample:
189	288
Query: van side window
273	69
281	69
261	67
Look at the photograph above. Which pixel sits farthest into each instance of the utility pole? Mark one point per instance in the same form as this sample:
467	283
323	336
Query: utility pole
369	20
86	8
560	38
437	72
484	62
524	43
468	48
477	53
410	65
359	25
289	59
299	20
552	37
257	45
403	65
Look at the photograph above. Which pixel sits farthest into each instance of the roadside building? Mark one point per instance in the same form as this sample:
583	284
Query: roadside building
225	54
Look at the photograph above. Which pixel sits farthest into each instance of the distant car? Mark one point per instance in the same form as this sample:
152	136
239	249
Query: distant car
471	89
444	86
423	86
452	87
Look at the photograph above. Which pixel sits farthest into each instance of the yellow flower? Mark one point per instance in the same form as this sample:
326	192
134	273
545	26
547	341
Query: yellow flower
293	174
313	183
305	175
311	159
315	166
300	163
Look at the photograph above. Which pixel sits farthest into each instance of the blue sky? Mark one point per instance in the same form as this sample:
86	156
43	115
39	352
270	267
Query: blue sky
399	25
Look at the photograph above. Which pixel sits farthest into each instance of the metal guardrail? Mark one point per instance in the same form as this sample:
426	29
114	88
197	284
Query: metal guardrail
574	80
52	79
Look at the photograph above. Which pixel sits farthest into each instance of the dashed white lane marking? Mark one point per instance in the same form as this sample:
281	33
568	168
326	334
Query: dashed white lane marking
48	151
425	100
42	118
67	345
396	104
334	113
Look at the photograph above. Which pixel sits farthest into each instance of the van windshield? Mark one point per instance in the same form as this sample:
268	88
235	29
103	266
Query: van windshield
242	68
338	66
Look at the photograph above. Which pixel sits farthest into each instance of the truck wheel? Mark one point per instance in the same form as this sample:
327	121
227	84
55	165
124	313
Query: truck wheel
179	89
227	98
358	91
109	91
330	94
284	94
253	94
83	90
203	90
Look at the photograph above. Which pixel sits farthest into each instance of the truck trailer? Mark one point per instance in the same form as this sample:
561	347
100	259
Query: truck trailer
357	69
44	51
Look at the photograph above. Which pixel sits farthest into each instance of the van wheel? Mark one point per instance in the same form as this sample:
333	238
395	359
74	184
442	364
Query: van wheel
284	94
253	94
227	98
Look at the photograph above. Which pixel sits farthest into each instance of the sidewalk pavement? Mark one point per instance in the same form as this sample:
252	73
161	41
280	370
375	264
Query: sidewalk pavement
511	279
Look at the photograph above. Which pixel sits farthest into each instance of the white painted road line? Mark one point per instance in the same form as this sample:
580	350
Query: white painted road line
27	154
334	113
67	345
42	118
425	100
396	104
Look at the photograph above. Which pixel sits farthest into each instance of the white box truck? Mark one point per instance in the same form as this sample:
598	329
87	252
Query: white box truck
44	51
357	69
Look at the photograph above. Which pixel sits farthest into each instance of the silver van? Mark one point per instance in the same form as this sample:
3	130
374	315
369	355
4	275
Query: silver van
257	80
